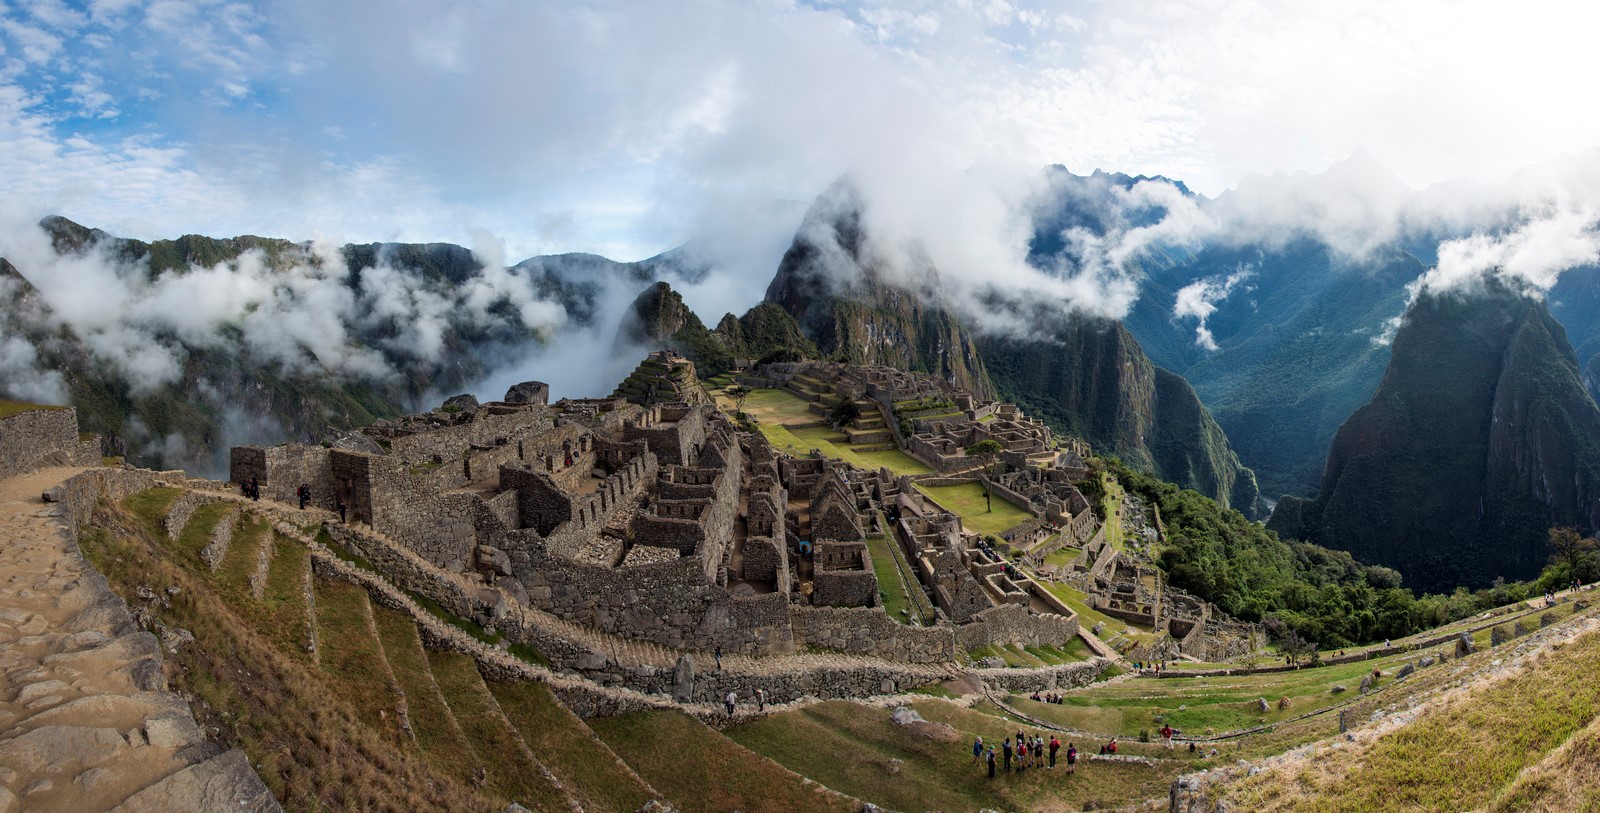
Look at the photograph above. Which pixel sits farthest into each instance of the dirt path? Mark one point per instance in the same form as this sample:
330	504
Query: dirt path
86	723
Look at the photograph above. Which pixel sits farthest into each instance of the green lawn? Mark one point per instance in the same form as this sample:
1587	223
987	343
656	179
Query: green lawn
893	590
1088	617
857	750
790	426
9	408
702	771
967	501
1109	505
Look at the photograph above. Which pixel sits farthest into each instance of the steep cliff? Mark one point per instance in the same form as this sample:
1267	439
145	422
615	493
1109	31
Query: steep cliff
1480	437
845	301
1094	381
1090	378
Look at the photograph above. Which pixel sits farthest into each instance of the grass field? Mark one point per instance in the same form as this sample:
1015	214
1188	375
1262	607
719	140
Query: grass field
857	750
967	501
1459	755
790	426
892	588
702	771
9	408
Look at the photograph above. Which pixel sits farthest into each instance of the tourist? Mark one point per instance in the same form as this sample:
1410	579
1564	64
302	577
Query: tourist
1111	747
304	493
1005	751
1072	758
1022	753
1055	745
761	700
1038	750
340	507
732	698
1166	734
977	749
990	756
1193	748
717	654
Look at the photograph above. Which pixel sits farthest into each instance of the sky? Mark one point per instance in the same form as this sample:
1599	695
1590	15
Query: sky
626	128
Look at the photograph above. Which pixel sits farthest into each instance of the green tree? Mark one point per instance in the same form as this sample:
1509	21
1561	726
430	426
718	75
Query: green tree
738	392
1570	546
988	451
845	412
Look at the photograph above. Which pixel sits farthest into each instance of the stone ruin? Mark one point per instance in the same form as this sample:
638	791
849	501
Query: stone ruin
652	517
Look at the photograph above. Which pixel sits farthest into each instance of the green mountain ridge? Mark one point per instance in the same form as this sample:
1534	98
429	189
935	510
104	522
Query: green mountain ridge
1480	436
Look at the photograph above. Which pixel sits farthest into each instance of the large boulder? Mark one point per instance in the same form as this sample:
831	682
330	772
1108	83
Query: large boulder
529	392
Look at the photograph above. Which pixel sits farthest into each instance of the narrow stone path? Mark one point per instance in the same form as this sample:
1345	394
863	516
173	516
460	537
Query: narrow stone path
86	722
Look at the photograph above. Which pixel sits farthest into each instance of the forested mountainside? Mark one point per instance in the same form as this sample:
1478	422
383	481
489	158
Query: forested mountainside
1479	438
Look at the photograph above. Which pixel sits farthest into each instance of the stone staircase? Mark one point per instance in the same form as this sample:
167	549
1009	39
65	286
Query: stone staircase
86	720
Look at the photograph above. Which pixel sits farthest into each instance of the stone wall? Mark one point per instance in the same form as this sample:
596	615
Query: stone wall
1051	678
44	437
281	470
863	631
1014	624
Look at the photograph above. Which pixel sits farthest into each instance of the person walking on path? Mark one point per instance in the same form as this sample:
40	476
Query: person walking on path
761	700
977	750
304	493
340	507
1005	751
717	654
990	755
732	698
1055	745
1166	734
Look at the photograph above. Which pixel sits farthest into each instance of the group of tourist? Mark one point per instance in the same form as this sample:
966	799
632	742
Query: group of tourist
250	488
1046	697
1023	752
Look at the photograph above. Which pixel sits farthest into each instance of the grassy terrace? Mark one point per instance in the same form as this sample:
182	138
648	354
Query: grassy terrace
852	749
1088	616
701	770
892	588
967	501
9	408
1469	753
790	426
1109	506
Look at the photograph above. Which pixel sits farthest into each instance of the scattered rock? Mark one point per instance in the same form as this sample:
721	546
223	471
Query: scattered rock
1464	645
1283	703
1499	635
1098	628
1338	689
464	402
1547	619
172	731
1366	684
1406	671
41	786
993	662
1262	706
1521	629
1425	662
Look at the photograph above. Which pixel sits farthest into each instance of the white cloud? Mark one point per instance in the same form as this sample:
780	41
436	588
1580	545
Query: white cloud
1199	300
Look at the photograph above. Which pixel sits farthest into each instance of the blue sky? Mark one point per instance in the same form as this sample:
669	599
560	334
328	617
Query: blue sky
624	128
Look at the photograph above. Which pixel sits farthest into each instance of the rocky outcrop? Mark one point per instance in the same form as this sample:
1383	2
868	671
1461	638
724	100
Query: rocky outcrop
1480	437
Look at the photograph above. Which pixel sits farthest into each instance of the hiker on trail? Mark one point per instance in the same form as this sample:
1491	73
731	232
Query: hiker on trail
1038	749
340	507
1005	750
990	757
244	487
1166	734
977	749
761	700
255	489
304	493
732	698
717	653
1072	758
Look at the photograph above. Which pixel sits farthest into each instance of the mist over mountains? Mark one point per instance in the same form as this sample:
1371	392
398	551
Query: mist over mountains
1220	343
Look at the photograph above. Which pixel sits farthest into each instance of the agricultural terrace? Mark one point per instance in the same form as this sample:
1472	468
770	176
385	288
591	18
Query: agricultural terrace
967	501
792	427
